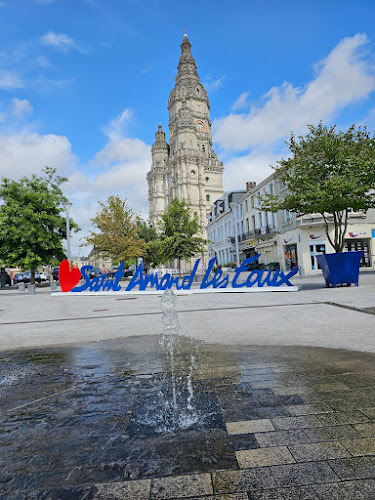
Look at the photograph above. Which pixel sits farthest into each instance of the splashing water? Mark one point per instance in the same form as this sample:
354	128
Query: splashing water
183	413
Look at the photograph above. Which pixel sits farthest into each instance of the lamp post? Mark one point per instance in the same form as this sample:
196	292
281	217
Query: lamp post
67	206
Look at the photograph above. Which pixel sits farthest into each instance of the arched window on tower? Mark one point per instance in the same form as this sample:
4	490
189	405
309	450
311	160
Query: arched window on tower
203	148
207	197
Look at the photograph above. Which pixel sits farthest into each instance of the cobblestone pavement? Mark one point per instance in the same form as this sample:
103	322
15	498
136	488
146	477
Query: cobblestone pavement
266	423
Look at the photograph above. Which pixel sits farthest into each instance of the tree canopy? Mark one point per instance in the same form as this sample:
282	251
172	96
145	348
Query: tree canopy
149	234
31	225
329	172
178	234
118	236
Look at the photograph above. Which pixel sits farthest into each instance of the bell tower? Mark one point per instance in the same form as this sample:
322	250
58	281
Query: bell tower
192	170
156	179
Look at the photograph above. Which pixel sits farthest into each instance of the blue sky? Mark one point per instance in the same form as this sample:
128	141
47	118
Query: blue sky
84	83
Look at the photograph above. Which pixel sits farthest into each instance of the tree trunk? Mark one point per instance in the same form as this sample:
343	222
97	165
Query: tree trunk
179	268
32	278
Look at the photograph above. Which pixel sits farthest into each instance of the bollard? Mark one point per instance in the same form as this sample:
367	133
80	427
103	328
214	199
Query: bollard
21	287
31	289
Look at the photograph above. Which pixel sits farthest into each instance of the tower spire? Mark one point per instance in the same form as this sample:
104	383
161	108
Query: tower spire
186	66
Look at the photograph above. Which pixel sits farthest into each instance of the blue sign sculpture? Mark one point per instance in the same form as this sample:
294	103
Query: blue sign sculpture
258	277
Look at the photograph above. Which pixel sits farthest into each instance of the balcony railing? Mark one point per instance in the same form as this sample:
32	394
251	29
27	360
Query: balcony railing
256	233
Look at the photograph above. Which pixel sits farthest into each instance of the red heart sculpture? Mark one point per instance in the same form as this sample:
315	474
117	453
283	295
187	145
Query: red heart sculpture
68	277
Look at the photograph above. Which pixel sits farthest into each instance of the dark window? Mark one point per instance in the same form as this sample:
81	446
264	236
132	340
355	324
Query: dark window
207	179
207	197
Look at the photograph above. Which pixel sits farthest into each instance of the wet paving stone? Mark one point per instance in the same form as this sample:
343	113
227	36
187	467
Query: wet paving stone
303	474
181	486
98	422
282	438
332	433
347	490
318	451
264	457
354	468
242	481
302	493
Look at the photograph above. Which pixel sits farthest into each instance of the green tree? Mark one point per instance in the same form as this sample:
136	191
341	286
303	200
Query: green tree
329	172
148	233
178	237
118	236
31	226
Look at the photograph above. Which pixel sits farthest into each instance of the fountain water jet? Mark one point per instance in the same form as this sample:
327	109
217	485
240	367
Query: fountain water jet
170	344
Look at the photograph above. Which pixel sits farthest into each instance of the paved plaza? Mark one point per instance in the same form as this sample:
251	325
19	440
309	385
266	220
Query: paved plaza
275	396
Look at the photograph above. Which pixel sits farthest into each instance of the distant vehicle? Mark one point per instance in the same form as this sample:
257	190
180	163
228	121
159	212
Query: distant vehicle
43	276
17	278
96	271
272	266
8	279
128	272
55	273
111	271
27	277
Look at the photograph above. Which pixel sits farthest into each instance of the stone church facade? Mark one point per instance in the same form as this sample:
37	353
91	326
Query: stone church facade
186	168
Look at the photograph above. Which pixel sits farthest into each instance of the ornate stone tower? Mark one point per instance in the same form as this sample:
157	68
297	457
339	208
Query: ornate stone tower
187	168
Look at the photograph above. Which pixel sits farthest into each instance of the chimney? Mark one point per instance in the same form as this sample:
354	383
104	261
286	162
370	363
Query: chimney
250	186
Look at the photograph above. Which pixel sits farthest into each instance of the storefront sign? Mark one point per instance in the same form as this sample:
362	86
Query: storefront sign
258	277
354	235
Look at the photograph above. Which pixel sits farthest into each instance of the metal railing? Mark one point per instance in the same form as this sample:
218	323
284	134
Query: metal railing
256	233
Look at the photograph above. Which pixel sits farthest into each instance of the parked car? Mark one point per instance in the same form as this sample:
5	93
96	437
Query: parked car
17	278
55	273
96	271
43	276
111	271
128	272
8	279
27	277
272	266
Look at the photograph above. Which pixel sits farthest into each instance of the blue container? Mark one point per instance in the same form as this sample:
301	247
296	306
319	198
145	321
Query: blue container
340	268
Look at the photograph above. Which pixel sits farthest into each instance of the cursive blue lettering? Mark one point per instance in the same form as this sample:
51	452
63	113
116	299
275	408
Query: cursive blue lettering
85	276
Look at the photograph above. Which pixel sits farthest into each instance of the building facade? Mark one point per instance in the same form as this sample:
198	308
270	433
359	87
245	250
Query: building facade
224	223
187	167
283	239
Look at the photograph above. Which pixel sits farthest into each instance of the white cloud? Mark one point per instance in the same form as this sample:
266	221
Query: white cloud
122	165
241	102
344	77
21	107
27	153
10	80
61	41
211	85
255	166
115	129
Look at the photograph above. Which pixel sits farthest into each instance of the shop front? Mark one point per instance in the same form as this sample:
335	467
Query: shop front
357	245
291	258
316	248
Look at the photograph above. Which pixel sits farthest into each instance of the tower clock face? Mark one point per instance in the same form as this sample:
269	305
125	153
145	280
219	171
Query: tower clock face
199	125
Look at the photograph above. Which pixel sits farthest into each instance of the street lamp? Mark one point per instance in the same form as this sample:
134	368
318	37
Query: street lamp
67	206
